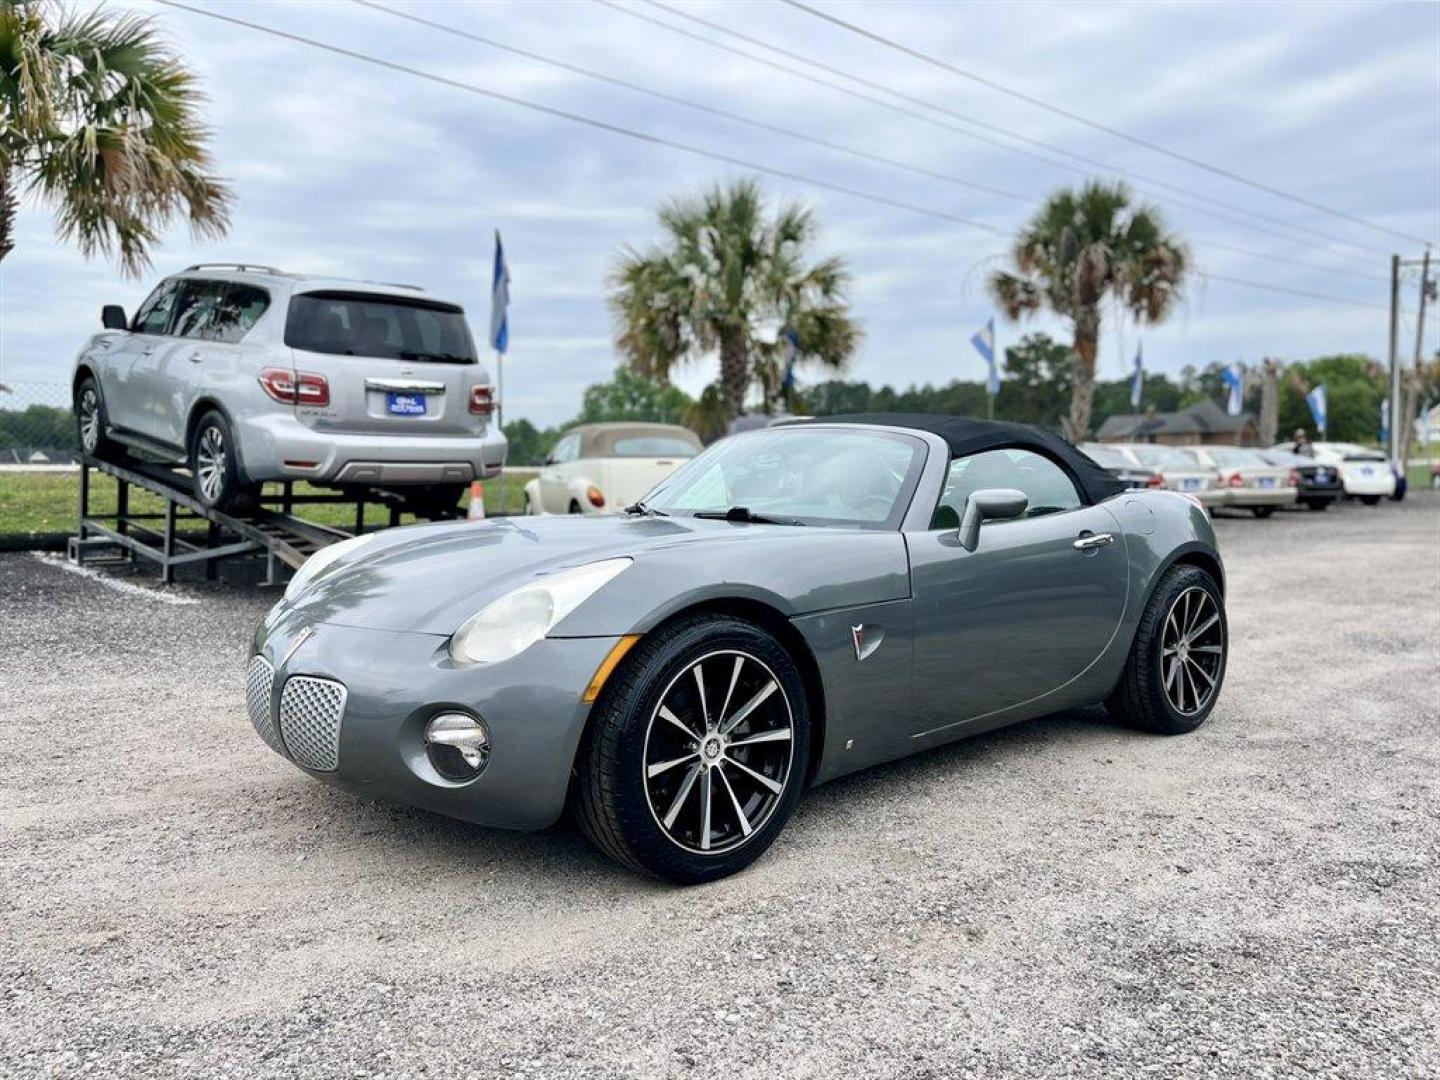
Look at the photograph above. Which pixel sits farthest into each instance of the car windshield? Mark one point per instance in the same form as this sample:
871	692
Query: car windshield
1237	459
366	324
810	475
1163	457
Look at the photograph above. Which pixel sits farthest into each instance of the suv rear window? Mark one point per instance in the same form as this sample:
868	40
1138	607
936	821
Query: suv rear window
364	324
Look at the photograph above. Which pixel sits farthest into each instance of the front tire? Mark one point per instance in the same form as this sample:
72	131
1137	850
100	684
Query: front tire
1176	666
696	754
92	422
1262	512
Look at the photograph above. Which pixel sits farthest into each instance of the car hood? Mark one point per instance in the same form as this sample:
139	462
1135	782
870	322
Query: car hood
431	578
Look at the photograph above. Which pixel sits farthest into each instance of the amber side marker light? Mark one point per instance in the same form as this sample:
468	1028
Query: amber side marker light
608	665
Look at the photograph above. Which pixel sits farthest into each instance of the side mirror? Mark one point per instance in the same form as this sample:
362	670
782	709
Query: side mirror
987	505
112	317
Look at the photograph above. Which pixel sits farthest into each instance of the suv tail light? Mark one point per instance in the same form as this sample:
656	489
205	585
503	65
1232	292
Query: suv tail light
295	387
482	400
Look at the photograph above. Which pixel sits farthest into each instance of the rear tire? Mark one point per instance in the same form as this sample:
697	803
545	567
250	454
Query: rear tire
1317	504
575	507
719	795
1262	511
1176	666
92	422
1370	500
216	468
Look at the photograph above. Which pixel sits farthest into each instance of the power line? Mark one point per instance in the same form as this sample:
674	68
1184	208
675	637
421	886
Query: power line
588	121
944	110
656	140
675	99
764	125
1291	292
1069	114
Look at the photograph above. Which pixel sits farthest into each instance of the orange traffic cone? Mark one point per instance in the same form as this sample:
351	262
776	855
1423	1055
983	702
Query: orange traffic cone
476	512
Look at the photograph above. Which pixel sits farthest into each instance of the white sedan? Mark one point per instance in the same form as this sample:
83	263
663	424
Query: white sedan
1366	473
601	468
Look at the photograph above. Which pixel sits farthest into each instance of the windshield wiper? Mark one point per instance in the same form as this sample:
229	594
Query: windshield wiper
744	513
639	507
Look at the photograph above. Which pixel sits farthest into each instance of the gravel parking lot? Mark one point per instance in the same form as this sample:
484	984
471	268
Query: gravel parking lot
1065	897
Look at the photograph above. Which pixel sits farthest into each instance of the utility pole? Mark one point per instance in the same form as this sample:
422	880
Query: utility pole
1394	392
1413	382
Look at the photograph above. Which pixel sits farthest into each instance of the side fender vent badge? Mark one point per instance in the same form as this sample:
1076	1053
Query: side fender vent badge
867	639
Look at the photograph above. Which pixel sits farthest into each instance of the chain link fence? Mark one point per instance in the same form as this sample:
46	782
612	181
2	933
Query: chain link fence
36	425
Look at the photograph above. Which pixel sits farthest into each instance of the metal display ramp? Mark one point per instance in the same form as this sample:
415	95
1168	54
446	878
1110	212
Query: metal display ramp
187	532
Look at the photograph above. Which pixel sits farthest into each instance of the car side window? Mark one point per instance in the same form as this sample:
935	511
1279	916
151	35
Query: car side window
1048	487
566	450
153	317
237	312
199	300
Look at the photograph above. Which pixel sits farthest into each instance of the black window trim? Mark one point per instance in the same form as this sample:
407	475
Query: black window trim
1079	489
180	282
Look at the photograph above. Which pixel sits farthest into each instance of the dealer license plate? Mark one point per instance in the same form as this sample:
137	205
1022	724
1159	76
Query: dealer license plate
405	404
1267	481
1190	484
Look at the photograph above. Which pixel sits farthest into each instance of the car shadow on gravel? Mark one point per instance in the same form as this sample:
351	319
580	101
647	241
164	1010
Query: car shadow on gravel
561	857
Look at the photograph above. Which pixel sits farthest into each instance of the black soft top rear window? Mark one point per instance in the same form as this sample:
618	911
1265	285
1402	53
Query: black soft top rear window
371	324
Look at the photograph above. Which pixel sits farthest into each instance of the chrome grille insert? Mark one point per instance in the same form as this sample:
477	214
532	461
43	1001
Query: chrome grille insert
310	713
259	681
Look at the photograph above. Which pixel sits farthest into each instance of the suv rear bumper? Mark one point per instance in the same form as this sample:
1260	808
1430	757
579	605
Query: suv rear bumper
277	446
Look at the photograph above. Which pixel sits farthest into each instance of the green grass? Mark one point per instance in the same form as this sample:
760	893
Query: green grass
47	502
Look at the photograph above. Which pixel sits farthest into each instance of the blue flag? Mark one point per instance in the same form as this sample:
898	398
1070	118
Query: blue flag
1234	379
984	342
1385	421
500	300
792	349
1137	382
1316	400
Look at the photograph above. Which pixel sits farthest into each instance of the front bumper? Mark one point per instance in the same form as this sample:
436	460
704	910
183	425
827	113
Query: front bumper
393	683
269	440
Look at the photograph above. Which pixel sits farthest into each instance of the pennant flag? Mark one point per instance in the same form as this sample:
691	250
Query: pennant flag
1316	400
984	342
1137	383
1385	421
500	300
1423	424
1234	379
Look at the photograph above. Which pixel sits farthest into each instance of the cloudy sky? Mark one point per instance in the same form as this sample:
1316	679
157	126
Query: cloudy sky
343	167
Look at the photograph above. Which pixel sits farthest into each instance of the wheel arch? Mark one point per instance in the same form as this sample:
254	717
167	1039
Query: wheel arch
1196	556
774	622
207	403
83	371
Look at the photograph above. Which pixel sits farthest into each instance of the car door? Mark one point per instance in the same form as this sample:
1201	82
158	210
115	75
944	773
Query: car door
177	369
122	379
554	495
1024	613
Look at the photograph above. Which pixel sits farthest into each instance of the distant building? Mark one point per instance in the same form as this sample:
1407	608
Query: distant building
1203	422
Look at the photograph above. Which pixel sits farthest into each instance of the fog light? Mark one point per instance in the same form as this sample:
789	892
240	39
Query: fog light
458	745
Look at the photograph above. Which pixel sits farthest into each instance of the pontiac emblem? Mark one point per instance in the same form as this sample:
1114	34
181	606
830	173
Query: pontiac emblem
300	639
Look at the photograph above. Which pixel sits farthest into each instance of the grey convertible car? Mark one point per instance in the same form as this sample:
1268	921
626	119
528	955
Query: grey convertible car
793	604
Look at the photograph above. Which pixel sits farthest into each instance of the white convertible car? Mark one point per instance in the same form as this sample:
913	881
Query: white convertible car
602	468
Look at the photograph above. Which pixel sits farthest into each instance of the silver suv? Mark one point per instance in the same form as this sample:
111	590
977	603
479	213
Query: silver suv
248	374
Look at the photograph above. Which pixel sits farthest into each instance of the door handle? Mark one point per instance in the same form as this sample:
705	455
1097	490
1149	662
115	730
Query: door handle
1094	540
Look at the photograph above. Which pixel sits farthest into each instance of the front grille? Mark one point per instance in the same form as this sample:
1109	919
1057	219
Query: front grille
310	714
259	681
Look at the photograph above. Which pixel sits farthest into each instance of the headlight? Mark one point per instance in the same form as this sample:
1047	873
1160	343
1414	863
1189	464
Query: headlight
321	559
511	624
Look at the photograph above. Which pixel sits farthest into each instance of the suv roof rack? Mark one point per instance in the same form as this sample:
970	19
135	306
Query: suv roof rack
253	267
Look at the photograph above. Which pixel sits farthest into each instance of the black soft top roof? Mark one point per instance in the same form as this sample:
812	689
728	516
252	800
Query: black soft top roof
966	436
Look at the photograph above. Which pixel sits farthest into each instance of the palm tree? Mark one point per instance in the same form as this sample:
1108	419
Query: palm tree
99	118
725	273
1079	248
